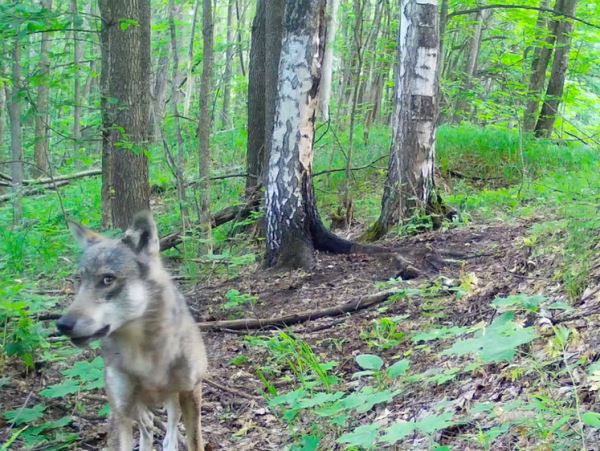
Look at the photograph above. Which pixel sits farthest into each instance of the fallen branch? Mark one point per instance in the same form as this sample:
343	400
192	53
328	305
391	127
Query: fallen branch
34	191
296	318
221	217
233	391
51	180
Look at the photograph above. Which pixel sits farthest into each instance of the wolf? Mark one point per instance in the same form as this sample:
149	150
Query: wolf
152	349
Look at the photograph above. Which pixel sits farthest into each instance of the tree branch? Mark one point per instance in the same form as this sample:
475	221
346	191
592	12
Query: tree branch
532	8
296	318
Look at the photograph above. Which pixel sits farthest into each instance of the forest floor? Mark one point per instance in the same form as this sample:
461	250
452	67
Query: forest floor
272	388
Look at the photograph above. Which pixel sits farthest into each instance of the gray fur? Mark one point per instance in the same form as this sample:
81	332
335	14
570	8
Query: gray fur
153	351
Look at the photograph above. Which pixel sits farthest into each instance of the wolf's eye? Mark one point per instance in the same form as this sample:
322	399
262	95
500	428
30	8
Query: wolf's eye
108	280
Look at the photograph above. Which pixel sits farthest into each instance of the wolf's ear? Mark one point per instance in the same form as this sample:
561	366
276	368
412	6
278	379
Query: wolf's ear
84	236
142	236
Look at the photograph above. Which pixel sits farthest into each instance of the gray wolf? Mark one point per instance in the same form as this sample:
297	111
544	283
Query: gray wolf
153	350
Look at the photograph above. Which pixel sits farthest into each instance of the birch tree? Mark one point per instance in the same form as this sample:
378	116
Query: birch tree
409	185
293	226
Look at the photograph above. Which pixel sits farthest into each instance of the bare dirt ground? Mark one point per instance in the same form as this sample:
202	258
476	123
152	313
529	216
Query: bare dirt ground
494	253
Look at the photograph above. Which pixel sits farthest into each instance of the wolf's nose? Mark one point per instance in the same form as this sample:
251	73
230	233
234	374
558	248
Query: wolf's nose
65	325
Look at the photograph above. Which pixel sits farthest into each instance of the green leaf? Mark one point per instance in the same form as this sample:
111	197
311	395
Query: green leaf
25	415
398	368
309	443
319	399
369	362
433	423
398	431
363	436
591	419
67	387
496	343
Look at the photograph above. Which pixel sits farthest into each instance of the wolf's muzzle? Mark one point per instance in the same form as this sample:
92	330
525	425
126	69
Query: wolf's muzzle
65	325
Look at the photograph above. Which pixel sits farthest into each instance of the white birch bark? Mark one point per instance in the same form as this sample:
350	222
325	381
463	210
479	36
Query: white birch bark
410	178
290	164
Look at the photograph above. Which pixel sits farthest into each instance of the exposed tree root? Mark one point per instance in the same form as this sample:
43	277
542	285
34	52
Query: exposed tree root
296	318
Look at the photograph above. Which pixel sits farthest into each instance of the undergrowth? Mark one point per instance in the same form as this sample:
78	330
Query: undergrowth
490	175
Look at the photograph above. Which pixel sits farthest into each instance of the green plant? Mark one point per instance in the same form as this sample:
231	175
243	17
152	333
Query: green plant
235	299
385	333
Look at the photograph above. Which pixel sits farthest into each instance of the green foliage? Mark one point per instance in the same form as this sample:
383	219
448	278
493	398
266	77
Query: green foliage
235	299
496	343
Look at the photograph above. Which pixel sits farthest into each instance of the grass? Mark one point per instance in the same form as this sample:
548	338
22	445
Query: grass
497	177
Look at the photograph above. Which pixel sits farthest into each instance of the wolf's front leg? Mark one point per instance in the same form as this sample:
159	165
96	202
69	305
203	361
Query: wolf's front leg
145	421
171	443
190	406
120	395
120	436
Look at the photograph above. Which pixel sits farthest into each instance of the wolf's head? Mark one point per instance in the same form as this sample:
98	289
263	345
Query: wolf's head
113	291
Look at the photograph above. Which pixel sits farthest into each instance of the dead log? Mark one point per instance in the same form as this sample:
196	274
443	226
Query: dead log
296	318
34	191
50	180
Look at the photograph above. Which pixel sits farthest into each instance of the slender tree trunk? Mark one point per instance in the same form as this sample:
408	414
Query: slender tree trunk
546	34
40	150
126	109
190	61
14	112
381	73
226	121
327	71
2	113
556	84
204	126
179	163
77	56
410	181
255	151
463	105
159	93
240	26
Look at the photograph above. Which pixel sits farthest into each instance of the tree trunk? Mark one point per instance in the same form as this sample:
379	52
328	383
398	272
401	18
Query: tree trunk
179	164
241	23
40	151
226	121
463	104
290	195
126	108
77	56
159	93
190	61
293	227
409	186
556	84
2	111
255	151
274	17
327	71
539	64
14	112
204	126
